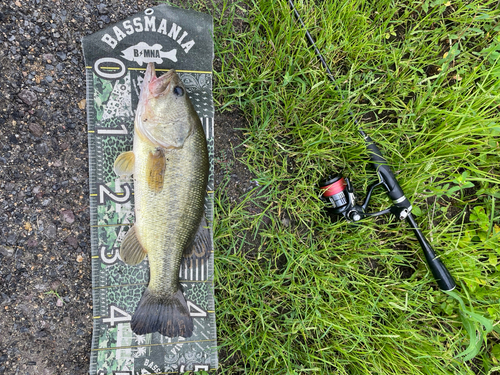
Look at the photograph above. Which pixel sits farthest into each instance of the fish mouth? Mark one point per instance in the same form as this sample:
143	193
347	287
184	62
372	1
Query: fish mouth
149	76
155	86
159	86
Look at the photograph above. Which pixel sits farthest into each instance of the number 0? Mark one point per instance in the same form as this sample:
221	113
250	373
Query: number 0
113	74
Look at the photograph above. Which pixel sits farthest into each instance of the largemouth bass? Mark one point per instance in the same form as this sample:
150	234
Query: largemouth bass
169	163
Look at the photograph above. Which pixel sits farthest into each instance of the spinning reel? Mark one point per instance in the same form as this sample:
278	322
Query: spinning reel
338	191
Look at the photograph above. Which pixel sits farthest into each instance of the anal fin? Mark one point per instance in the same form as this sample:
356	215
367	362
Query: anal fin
201	246
131	250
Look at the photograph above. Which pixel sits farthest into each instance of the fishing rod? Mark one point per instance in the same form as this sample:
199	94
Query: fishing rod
339	192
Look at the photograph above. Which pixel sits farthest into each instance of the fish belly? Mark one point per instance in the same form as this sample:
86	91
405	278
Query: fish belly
167	220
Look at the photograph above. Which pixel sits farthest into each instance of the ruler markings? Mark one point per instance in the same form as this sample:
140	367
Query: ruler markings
200	273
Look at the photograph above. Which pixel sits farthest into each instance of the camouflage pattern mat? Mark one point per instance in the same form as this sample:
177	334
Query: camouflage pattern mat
116	59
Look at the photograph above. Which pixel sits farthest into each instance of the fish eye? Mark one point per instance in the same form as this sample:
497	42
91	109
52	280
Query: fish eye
178	91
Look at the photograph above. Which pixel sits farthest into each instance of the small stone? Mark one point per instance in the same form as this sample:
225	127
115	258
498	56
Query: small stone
28	97
49	79
59	302
72	241
6	251
82	103
68	216
11	239
32	242
51	231
46	202
36	130
105	19
42	148
41	287
64	146
79	258
48	57
6	299
61	55
102	9
80	332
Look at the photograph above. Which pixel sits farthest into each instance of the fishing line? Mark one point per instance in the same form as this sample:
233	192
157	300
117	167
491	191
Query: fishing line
339	192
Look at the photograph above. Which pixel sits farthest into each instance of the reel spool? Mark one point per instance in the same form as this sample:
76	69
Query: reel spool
333	190
338	192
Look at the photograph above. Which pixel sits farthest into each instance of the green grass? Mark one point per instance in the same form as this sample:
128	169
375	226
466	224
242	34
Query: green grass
327	297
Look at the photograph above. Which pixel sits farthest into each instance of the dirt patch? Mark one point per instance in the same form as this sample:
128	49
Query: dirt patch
229	148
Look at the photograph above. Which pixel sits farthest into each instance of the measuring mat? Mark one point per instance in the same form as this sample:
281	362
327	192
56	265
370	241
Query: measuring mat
116	59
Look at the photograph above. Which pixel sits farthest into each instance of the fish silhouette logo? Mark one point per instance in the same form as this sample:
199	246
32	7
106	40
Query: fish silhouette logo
144	53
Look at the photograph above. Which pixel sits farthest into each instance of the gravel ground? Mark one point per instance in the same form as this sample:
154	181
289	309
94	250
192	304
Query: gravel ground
45	275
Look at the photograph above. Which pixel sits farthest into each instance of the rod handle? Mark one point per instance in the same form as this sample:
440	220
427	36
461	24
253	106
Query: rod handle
384	171
439	271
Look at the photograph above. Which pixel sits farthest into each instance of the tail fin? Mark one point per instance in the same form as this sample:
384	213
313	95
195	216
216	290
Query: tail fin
168	315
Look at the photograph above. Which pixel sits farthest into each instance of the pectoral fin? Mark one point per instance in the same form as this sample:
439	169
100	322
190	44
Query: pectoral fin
155	170
124	163
131	250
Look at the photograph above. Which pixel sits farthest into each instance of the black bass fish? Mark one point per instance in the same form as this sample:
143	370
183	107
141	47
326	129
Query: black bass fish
170	166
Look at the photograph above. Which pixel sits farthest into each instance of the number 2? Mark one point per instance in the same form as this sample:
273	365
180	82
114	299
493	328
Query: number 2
105	193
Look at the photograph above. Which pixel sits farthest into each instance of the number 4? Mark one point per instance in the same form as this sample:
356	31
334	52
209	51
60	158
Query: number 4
116	315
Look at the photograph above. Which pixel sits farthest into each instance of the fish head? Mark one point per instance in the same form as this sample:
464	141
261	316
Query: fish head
164	114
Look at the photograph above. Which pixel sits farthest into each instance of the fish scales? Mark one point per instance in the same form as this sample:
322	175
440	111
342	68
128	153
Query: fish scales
169	219
170	166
